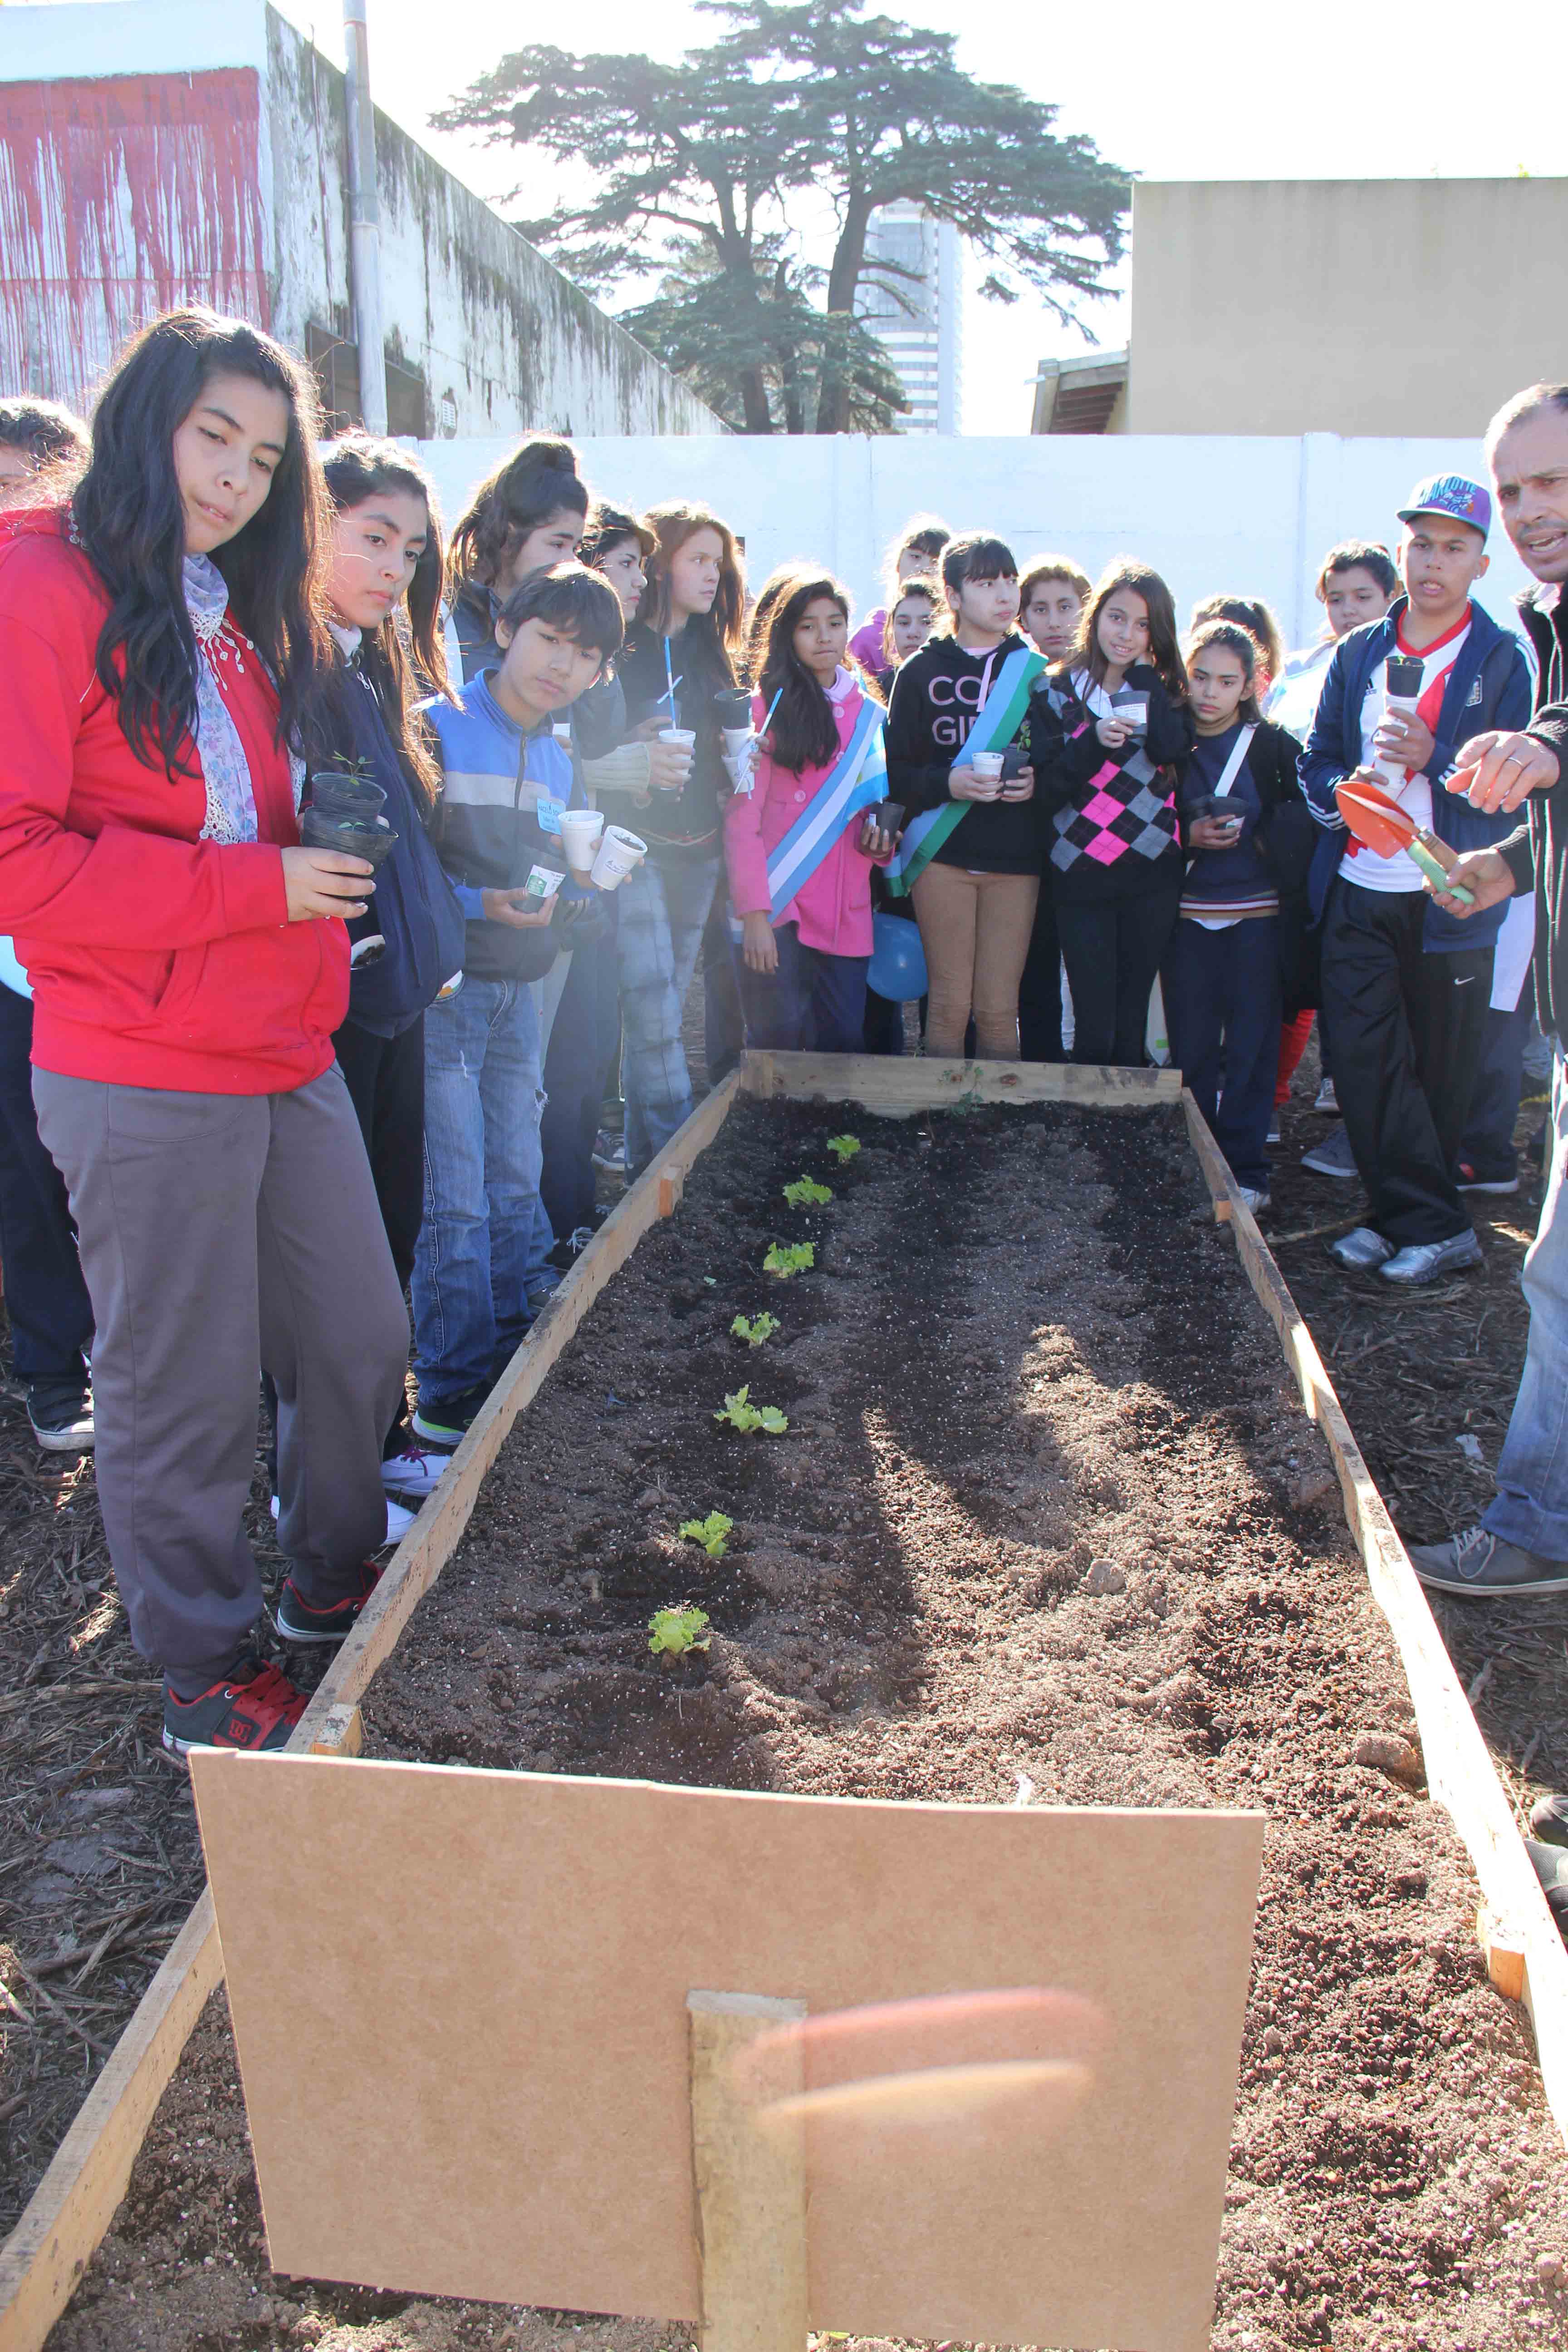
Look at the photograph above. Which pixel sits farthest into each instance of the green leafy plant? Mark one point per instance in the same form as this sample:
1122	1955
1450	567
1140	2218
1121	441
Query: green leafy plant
741	1413
753	1328
807	1194
785	1258
843	1146
710	1533
673	1631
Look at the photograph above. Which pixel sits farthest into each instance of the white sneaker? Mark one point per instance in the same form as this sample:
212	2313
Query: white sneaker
1425	1261
398	1520
1326	1098
1361	1251
1252	1198
413	1472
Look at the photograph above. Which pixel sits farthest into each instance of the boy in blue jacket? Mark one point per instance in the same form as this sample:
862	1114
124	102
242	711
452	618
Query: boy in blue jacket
1405	985
505	781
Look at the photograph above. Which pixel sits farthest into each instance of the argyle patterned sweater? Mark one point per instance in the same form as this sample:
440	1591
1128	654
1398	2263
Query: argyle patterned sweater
1110	816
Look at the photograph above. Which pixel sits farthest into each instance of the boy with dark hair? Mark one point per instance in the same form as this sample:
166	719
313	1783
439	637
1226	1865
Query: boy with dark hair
506	781
1405	985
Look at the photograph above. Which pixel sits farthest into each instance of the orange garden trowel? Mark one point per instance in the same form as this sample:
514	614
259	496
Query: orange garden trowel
1379	823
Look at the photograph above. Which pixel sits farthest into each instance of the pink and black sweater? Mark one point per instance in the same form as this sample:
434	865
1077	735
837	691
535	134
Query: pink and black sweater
1110	814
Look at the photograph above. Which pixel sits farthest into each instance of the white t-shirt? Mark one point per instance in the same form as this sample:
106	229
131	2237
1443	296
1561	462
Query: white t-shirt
1400	872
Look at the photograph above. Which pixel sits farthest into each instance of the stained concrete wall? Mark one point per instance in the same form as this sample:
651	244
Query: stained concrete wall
1342	306
1249	516
154	151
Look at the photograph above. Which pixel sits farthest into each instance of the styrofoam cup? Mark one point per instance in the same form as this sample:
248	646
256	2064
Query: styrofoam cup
620	852
580	832
986	767
735	740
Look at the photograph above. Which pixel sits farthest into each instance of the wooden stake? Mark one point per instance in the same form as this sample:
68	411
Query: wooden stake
751	2182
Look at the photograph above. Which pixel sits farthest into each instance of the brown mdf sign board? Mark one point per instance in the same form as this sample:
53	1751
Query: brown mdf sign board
460	2000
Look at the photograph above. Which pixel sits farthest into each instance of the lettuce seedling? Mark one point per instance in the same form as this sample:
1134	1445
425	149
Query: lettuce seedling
742	1414
785	1258
673	1631
843	1146
753	1328
709	1533
807	1194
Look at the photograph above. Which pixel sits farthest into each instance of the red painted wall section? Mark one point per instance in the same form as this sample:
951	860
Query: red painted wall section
118	199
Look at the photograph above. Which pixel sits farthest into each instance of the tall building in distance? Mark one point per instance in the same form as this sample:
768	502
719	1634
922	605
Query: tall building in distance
918	318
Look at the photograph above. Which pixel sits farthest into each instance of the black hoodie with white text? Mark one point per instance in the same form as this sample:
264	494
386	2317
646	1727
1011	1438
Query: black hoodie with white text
937	697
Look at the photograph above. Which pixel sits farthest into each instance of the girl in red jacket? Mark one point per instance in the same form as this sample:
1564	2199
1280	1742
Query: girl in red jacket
161	646
806	942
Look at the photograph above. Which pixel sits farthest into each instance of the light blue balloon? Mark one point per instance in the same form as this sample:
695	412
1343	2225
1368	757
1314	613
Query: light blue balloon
898	970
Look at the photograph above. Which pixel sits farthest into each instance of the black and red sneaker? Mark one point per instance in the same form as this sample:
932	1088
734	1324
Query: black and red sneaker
300	1620
254	1707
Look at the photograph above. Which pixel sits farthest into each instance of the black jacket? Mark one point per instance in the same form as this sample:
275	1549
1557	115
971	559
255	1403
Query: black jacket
1538	852
414	909
936	697
684	826
1285	839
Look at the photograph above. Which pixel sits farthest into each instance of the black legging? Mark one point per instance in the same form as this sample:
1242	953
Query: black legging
1112	949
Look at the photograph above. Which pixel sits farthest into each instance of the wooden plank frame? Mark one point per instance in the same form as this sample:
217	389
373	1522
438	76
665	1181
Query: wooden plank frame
62	2227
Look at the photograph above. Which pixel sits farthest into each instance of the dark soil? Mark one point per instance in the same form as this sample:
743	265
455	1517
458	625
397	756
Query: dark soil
1045	1523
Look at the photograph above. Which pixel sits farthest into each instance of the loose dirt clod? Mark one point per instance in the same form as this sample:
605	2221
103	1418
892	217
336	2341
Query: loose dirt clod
1380	1752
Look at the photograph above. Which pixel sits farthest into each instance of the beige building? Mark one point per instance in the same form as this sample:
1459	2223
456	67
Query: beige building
1388	307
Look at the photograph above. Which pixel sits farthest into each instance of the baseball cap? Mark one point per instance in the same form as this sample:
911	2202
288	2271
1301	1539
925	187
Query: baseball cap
1451	494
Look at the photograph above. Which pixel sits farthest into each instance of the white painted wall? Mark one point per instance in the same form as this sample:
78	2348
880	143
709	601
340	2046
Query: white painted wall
1243	516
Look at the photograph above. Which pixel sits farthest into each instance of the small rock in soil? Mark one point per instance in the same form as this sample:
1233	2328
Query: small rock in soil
1381	1752
1104	1577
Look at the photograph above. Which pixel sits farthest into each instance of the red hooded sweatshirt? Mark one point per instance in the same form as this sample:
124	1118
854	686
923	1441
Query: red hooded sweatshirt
156	959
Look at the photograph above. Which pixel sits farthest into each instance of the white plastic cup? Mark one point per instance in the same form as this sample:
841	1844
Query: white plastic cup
620	852
542	883
986	768
580	832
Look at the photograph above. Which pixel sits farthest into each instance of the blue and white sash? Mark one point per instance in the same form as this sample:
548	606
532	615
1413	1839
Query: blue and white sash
996	723
857	781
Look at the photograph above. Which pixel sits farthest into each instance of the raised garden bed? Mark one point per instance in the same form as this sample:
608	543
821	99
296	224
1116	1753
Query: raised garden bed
1046	1523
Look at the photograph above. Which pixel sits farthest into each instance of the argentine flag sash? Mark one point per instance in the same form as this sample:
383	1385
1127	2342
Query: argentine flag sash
857	781
998	721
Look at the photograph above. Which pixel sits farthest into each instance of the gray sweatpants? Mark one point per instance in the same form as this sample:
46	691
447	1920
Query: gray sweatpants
218	1234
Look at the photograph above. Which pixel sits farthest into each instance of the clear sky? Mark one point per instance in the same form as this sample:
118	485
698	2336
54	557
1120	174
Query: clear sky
1173	93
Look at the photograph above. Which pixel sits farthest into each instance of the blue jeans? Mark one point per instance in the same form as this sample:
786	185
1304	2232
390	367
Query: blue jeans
1222	1003
662	912
483	1242
813	1002
1531	1506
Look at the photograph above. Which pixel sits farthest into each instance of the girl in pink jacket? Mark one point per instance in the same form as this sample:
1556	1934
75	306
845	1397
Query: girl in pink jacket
802	969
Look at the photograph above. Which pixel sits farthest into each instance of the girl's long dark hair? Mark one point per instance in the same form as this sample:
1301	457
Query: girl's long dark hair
1165	651
803	732
672	526
538	480
358	469
127	515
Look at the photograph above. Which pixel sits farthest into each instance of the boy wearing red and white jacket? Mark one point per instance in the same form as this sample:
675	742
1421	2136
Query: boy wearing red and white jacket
1405	985
803	975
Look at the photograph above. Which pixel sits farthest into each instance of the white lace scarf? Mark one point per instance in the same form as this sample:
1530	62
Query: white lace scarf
225	771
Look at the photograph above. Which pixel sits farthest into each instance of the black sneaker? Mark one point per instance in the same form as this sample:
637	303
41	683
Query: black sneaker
254	1706
61	1412
301	1622
1549	1820
446	1422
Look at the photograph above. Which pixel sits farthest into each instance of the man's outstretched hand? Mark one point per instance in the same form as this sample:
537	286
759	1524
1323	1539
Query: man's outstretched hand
1499	770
